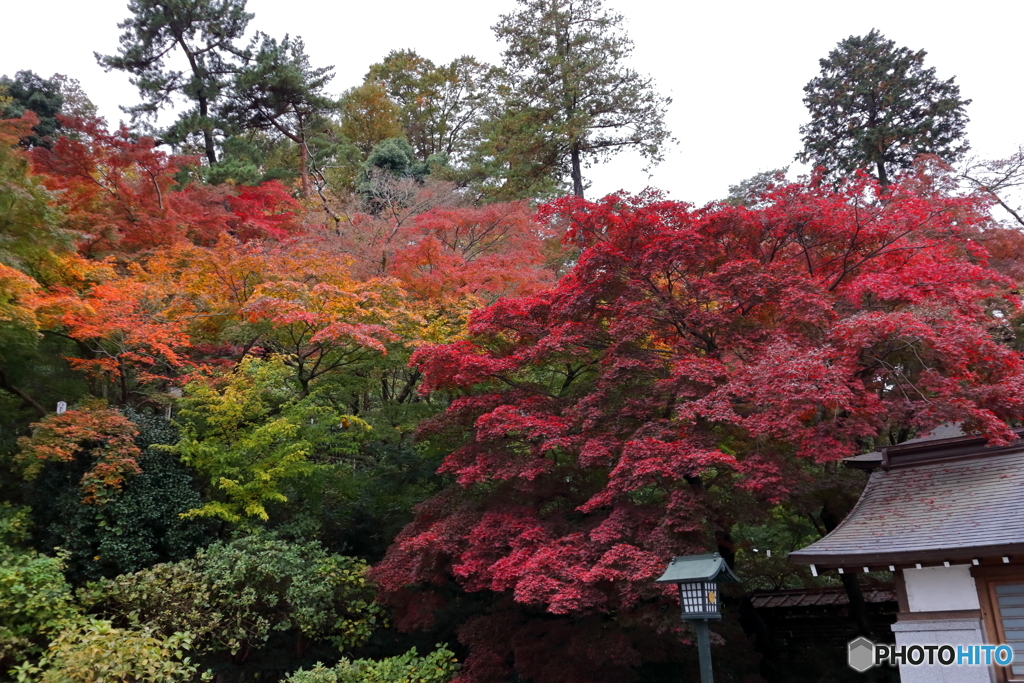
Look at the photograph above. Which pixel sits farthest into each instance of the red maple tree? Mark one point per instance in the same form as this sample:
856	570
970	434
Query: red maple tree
691	360
121	194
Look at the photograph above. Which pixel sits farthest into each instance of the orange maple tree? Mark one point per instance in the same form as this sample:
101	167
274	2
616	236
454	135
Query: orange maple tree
102	437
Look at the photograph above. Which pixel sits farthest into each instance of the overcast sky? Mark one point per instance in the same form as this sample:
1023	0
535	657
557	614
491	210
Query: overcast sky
735	70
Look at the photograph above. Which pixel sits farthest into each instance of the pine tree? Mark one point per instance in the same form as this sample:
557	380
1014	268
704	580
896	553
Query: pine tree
569	98
205	32
280	91
28	91
876	107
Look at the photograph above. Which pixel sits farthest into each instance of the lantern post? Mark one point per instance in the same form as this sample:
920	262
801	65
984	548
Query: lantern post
698	577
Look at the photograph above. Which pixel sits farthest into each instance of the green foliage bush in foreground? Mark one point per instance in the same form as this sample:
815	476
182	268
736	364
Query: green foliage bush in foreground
437	667
232	596
94	651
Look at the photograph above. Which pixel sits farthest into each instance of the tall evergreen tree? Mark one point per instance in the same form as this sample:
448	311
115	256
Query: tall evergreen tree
280	91
876	107
205	31
570	99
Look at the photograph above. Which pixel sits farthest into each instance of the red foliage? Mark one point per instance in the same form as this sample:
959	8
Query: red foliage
688	362
487	252
1006	250
13	130
120	194
450	255
263	211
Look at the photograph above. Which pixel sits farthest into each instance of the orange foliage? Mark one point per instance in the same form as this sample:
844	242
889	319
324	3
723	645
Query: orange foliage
13	130
17	299
119	325
290	298
102	436
445	254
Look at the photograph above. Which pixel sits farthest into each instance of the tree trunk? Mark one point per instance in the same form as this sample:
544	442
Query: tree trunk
304	167
883	179
17	391
577	172
211	150
199	71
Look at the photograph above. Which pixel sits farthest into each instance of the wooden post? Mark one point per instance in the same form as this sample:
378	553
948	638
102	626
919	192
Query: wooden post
704	650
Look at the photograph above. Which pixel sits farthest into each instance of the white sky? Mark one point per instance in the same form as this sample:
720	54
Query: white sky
734	70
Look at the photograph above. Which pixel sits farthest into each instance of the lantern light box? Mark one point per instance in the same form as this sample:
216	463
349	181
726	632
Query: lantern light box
698	577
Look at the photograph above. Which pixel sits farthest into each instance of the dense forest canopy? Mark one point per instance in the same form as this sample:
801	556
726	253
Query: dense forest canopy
321	387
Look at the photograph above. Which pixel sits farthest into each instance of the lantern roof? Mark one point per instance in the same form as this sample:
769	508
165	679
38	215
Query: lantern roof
710	567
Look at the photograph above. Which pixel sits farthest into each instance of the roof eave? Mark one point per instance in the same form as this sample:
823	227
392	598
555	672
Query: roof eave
907	557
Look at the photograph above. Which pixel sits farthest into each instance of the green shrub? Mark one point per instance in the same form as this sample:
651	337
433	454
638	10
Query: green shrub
233	595
94	651
35	600
440	666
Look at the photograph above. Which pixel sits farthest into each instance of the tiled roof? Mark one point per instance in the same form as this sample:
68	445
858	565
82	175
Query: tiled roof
934	511
817	597
869	461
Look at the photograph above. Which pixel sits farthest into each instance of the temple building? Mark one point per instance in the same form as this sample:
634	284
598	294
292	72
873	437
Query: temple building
945	515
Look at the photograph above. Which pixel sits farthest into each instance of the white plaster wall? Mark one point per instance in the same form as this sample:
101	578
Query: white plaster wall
940	589
942	632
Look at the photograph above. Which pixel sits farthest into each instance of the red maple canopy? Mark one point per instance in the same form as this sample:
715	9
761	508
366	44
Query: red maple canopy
691	361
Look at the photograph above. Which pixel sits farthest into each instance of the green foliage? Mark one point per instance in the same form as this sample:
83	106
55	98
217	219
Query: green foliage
437	105
749	192
233	596
139	526
875	107
35	600
28	91
15	524
204	31
569	98
28	224
152	429
278	91
253	159
94	651
397	157
368	116
32	377
251	434
241	163
781	533
440	666
391	171
362	507
513	157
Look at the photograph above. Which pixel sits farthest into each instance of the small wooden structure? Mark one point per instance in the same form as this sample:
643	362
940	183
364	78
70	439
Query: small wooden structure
945	515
